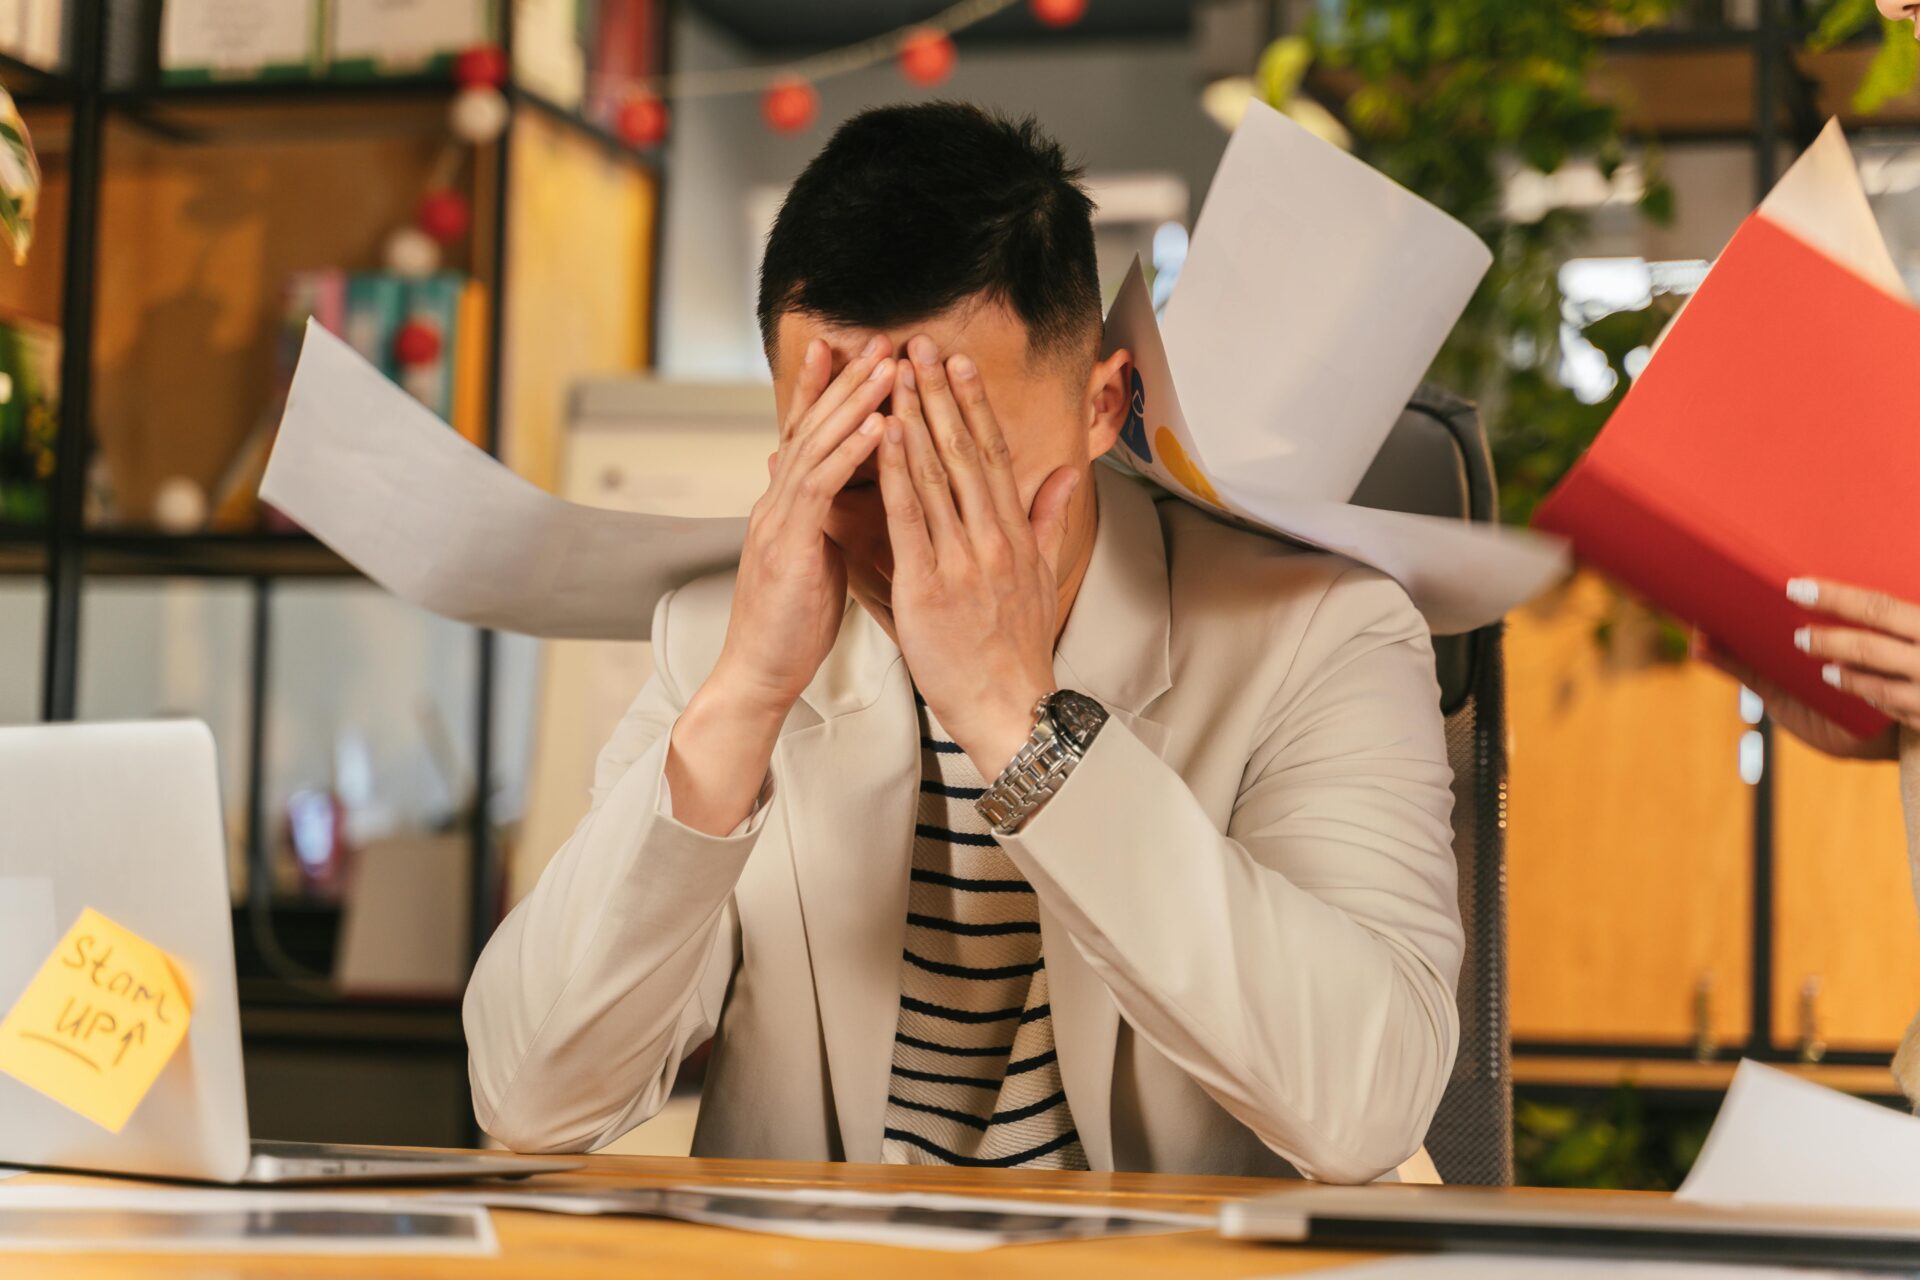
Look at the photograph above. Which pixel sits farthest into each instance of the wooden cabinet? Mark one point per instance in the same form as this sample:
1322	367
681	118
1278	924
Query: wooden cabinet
1844	918
1629	838
1631	857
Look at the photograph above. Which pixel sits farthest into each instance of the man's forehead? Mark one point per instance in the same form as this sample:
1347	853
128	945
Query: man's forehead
984	330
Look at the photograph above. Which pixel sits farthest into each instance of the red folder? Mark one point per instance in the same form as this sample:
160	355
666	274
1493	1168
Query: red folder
1774	435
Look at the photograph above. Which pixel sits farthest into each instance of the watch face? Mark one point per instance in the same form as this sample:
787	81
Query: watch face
1076	717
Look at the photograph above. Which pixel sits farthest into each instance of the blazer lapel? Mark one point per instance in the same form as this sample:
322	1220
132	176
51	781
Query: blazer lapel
849	788
1115	649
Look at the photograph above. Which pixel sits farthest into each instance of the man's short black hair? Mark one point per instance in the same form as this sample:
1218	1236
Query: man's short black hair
910	210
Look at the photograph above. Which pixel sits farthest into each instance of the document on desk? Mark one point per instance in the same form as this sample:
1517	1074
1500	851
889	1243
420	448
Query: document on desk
1468	1266
914	1220
65	1219
1784	1142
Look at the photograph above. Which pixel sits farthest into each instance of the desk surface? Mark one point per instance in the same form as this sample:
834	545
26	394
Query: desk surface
556	1247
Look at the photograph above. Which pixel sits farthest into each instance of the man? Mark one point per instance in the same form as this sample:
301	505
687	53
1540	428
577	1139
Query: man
1089	832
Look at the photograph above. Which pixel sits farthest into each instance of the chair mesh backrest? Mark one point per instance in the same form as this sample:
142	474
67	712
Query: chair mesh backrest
1436	462
1471	1139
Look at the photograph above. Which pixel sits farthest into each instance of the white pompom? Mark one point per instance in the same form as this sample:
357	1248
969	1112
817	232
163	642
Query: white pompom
179	506
479	114
413	253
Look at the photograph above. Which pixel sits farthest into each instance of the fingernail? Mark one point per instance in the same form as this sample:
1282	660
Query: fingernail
882	370
906	375
1831	674
871	425
961	367
893	432
923	350
1803	591
1803	639
875	345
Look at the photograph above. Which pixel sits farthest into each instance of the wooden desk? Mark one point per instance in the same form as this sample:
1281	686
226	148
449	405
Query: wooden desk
555	1247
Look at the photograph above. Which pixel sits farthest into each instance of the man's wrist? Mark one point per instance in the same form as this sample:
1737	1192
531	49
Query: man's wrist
993	746
730	696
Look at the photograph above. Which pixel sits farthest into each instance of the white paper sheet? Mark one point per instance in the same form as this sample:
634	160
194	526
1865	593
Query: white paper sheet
1314	295
959	1224
65	1219
1821	201
376	476
1460	576
1467	1266
1780	1141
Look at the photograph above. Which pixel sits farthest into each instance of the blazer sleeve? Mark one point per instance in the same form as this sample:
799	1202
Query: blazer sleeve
595	986
1300	966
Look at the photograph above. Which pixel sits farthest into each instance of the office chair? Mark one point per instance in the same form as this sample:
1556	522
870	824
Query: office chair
1435	462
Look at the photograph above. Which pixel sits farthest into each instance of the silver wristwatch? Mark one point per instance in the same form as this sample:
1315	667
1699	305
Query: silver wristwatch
1064	726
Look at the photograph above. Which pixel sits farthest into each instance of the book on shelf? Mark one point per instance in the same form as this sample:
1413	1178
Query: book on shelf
368	309
29	418
368	39
214	40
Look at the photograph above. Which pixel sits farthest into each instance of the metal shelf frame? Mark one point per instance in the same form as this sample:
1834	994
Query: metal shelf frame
66	553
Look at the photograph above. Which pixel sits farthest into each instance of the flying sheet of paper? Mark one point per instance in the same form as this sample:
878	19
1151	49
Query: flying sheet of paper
960	1224
1461	576
98	1022
1315	293
1783	1142
372	473
63	1219
1468	1266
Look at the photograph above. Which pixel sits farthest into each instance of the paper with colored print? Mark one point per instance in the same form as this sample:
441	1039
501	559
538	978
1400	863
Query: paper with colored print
1459	575
98	1023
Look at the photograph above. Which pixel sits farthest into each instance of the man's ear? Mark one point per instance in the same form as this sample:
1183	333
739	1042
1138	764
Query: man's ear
1107	401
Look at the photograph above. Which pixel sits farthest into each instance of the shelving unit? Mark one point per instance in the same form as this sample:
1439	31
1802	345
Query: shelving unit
79	111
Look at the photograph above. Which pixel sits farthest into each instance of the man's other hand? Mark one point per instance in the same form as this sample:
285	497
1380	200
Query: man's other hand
975	598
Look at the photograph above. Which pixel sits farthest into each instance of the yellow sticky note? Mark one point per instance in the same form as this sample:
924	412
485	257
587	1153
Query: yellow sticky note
98	1023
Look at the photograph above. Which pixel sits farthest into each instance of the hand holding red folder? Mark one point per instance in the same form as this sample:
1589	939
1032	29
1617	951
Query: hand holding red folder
1774	435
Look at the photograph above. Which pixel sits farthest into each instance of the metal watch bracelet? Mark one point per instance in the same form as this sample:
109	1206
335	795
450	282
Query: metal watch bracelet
1065	723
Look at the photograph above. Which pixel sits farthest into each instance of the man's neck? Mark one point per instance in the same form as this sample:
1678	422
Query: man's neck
1076	553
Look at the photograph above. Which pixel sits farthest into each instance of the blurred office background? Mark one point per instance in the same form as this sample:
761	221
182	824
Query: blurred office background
544	216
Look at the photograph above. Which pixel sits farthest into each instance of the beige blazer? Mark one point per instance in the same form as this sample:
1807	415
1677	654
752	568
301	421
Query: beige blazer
1246	889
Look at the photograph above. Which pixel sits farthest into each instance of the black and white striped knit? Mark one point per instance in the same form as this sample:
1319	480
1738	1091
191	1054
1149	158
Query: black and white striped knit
975	1079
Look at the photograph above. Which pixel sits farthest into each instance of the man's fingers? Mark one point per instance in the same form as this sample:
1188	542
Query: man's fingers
805	451
1865	650
948	430
932	482
1862	605
996	459
1049	517
815	367
803	415
906	518
815	491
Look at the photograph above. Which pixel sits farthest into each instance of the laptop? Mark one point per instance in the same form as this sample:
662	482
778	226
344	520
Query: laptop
1599	1224
126	819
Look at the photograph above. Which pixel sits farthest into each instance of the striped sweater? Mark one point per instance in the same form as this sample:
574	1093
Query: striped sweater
975	1078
